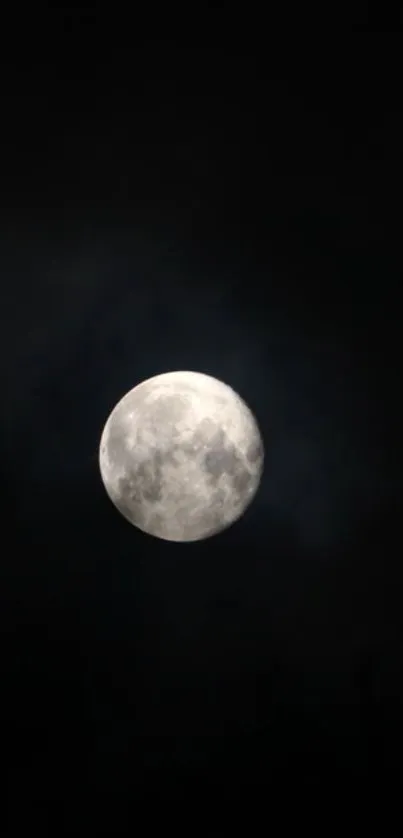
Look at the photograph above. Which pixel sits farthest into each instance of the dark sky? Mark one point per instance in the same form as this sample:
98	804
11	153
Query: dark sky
219	210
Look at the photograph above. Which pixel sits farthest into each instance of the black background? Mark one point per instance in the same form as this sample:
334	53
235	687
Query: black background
232	209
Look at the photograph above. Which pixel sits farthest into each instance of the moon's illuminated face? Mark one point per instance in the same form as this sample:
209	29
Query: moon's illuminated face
181	456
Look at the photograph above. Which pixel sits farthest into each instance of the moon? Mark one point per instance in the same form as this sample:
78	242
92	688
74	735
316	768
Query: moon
181	456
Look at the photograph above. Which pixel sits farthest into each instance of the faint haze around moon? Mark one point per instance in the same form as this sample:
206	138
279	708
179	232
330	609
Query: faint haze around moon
181	456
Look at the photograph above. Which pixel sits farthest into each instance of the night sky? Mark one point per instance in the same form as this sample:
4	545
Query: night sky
232	211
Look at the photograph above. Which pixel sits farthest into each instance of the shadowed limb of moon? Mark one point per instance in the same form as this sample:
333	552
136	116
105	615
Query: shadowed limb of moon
181	456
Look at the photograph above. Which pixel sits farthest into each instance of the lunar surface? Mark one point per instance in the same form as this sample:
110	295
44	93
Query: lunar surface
181	456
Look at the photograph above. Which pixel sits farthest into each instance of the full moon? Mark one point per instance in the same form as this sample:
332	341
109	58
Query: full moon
181	456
